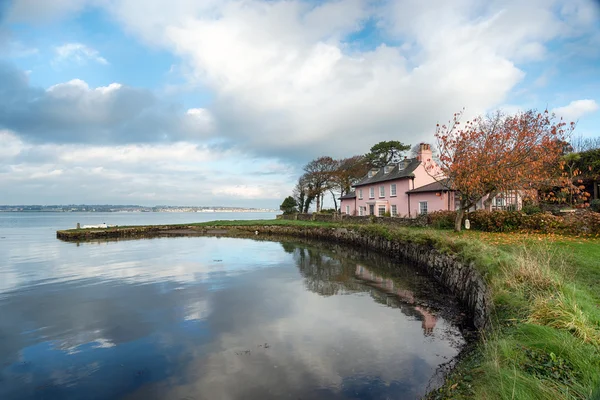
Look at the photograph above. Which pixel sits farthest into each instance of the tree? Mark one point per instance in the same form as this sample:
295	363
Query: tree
319	173
347	172
582	144
568	187
386	152
497	153
589	165
289	205
303	194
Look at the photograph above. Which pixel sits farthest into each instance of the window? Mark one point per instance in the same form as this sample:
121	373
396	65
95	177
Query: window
381	191
347	210
361	211
393	189
381	210
360	194
394	210
371	209
422	207
372	193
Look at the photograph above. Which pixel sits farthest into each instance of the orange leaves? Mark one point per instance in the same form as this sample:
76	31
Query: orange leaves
499	152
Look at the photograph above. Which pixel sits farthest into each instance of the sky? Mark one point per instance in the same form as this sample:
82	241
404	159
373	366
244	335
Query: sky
221	102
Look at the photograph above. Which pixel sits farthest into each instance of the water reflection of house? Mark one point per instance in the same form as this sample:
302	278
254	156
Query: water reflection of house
388	286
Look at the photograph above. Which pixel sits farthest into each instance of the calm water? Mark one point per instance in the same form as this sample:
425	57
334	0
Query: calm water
209	318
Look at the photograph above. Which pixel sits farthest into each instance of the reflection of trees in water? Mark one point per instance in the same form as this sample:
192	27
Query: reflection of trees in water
332	269
322	274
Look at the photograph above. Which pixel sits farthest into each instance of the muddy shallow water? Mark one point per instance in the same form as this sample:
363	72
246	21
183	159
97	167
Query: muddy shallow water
217	318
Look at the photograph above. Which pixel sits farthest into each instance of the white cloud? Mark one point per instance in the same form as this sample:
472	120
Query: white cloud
134	154
287	83
77	53
75	112
11	146
576	109
174	173
247	192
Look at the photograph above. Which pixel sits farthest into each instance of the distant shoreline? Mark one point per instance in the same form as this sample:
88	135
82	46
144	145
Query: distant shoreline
140	211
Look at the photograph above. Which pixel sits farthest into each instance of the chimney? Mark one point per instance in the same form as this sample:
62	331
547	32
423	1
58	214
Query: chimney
424	153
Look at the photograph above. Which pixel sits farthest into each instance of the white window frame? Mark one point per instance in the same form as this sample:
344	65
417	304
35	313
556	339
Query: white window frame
423	208
347	210
394	210
360	194
393	190
381	191
381	211
372	192
361	211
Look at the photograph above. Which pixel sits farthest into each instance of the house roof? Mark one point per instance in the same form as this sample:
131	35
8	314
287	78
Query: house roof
432	187
349	195
396	173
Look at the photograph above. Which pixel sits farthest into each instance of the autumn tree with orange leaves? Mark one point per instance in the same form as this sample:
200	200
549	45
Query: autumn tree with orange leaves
500	152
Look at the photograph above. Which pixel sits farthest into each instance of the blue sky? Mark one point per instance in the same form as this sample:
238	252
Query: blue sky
208	102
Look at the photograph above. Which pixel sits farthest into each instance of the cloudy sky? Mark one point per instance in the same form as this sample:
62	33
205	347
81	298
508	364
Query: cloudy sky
221	102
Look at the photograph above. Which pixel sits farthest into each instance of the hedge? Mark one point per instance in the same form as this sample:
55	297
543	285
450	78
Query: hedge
581	222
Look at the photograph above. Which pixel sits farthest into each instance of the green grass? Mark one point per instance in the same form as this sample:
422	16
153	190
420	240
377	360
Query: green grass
266	222
544	342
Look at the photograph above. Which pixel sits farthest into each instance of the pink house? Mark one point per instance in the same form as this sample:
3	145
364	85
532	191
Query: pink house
404	189
407	189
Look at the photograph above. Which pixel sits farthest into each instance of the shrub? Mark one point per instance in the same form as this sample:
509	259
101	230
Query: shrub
441	219
582	222
495	221
328	211
595	205
543	222
531	209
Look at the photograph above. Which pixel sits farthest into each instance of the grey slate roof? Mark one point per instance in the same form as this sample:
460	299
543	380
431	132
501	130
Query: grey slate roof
349	195
432	187
396	173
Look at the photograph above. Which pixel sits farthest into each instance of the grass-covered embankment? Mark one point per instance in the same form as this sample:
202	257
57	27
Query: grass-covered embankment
150	230
544	338
544	341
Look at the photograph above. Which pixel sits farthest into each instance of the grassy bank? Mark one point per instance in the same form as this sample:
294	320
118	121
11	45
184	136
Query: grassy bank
544	340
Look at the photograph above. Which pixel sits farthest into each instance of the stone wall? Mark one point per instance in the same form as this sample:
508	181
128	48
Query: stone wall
462	279
353	219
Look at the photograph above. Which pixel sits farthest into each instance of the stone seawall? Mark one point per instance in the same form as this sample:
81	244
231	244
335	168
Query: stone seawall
462	279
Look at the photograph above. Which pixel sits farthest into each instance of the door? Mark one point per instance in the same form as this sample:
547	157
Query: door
371	209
